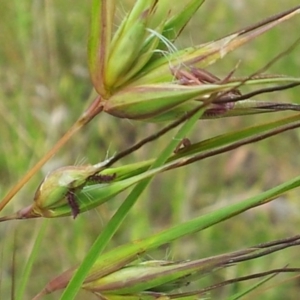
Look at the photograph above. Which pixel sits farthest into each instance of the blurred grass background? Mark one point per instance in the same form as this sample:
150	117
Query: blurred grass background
44	86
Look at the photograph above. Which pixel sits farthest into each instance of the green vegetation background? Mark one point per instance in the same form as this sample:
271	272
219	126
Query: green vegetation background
44	85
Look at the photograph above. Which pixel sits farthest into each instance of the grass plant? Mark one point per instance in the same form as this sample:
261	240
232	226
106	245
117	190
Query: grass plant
214	217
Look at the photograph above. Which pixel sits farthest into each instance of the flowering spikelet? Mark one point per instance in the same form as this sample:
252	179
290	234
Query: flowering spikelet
137	71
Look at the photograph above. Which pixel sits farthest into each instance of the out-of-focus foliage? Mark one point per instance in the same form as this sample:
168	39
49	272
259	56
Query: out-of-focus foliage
44	83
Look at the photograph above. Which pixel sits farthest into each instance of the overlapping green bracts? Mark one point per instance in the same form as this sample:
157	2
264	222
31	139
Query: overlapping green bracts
136	70
136	40
157	276
91	188
140	75
167	102
120	272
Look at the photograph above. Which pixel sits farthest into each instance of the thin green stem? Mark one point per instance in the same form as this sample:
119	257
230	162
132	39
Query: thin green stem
32	258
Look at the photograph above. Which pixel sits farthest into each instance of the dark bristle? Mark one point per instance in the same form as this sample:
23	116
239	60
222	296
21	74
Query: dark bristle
101	178
73	204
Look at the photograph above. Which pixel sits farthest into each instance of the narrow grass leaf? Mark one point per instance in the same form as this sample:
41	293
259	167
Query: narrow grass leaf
31	259
99	245
113	260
